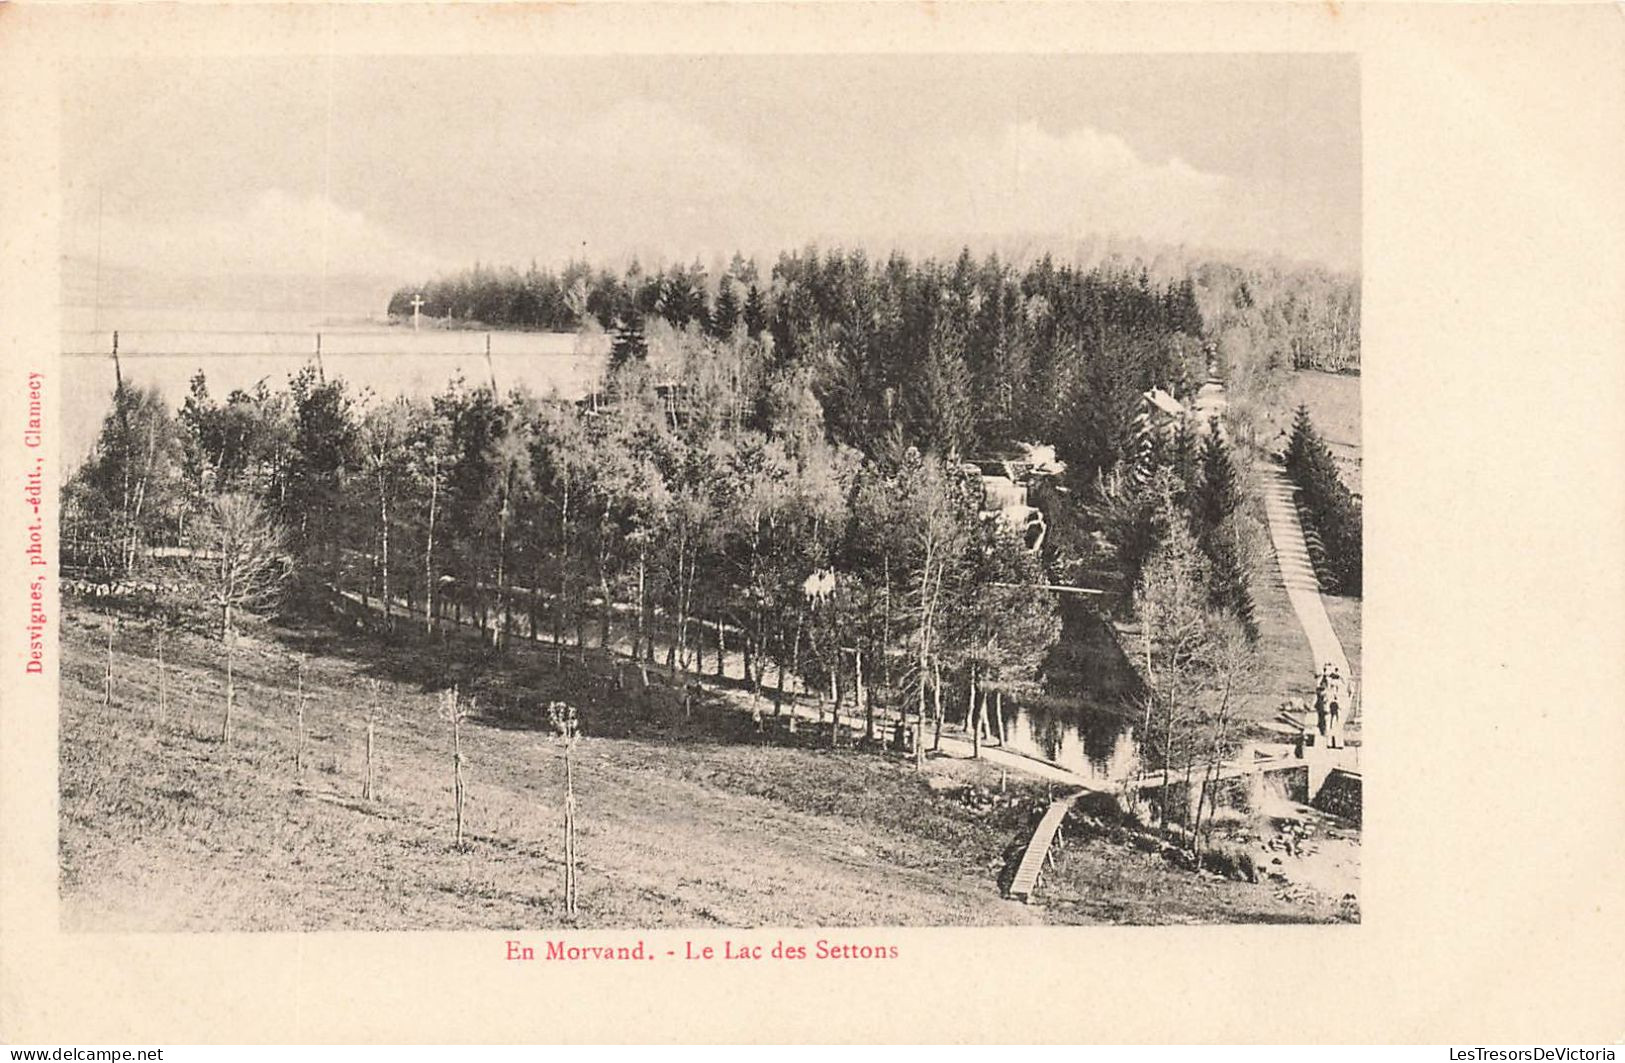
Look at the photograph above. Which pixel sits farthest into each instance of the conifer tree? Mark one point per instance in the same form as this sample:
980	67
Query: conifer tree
1302	443
726	314
944	417
1182	458
1331	514
1214	513
629	346
755	312
1217	497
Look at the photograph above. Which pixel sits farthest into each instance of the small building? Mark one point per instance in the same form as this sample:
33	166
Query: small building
1163	413
1007	489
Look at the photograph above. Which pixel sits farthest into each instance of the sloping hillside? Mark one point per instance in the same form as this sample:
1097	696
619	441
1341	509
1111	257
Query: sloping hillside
684	820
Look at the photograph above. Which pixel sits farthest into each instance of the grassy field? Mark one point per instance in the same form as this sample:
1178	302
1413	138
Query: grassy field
684	820
1334	405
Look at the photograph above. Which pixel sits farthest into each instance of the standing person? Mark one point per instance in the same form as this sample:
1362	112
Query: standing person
1320	702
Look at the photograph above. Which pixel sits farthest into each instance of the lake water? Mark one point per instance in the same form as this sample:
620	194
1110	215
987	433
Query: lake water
389	361
1092	742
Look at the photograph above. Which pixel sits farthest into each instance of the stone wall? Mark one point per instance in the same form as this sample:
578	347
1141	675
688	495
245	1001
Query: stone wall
1341	795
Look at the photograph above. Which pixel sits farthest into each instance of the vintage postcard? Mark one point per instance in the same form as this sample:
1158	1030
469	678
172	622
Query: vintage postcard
685	504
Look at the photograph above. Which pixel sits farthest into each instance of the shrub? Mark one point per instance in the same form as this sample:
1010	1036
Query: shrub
1231	863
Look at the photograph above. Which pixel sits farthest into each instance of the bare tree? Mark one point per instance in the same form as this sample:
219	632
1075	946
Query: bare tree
163	685
299	698
1176	636
368	793
937	543
384	432
456	714
107	684
1235	668
426	469
241	550
568	727
512	457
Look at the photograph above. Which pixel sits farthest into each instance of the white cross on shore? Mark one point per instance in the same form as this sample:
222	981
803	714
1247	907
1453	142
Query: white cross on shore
417	305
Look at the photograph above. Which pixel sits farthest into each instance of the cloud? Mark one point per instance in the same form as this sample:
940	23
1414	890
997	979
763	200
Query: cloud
645	174
648	142
277	234
638	174
1024	178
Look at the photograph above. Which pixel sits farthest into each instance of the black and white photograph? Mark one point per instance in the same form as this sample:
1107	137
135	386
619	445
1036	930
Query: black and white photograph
710	491
815	523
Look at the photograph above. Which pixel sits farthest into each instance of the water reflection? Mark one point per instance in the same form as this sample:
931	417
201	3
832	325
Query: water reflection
1090	741
1081	720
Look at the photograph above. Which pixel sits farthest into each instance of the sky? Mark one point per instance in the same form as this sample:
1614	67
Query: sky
350	175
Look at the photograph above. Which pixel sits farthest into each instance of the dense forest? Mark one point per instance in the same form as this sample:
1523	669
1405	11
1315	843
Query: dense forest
776	467
960	358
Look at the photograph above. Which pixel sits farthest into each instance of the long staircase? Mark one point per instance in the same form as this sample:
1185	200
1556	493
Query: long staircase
1297	573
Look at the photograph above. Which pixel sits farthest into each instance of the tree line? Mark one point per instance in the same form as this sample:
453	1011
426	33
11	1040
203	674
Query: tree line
566	299
1002	349
1331	514
1268	322
959	357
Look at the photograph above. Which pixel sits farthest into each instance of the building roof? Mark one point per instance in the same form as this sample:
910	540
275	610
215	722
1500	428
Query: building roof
1165	402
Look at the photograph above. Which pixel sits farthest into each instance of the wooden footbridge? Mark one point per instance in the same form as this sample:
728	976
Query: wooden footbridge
1038	851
